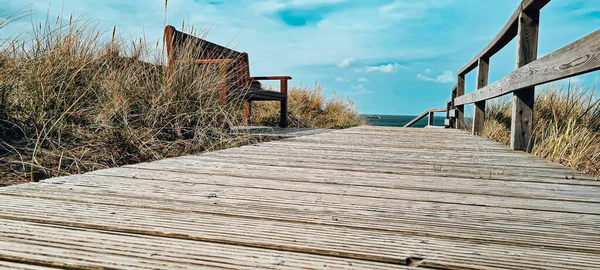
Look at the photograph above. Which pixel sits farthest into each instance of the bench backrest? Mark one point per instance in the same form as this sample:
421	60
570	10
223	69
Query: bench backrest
182	46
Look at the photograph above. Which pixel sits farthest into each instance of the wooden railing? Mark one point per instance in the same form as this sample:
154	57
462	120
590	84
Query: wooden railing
429	113
582	56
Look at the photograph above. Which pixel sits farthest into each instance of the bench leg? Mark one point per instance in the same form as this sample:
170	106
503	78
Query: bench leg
284	103
247	111
283	115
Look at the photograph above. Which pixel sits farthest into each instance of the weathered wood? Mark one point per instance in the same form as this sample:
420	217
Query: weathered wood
431	119
283	113
448	121
314	239
366	197
505	36
460	109
533	5
429	113
523	99
234	67
577	58
272	78
247	111
482	81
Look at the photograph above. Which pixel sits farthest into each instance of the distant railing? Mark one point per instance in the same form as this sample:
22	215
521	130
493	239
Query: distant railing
579	57
429	113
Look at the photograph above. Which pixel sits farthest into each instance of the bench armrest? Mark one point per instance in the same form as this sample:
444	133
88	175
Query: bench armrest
207	61
271	78
283	81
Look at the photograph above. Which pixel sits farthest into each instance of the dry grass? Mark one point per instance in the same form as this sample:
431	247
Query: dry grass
567	126
73	100
311	108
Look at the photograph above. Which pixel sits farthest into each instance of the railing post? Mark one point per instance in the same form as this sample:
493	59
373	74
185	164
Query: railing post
459	121
431	115
482	81
448	122
523	100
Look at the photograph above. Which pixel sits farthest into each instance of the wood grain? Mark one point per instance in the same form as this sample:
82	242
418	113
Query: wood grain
429	113
504	36
482	81
577	58
360	198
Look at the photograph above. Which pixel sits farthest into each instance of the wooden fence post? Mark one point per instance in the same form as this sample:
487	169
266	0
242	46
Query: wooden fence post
448	121
523	100
482	81
431	118
459	121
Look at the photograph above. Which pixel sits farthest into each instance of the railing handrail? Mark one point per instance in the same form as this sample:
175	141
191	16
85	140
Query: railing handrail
505	36
426	113
582	56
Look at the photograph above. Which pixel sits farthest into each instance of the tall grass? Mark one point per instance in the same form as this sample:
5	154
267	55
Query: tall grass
566	126
310	107
73	99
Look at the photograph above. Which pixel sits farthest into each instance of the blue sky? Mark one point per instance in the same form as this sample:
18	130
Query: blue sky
390	56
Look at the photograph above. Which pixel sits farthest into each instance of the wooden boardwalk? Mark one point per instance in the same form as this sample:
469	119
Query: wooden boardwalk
364	198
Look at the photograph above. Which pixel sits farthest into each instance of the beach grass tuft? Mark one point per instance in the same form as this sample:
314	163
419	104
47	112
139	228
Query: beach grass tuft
566	126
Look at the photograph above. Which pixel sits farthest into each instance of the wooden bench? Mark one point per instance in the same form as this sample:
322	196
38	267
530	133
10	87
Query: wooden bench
233	65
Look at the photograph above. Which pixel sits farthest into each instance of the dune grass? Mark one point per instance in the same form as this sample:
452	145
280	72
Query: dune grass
74	99
310	107
566	126
71	102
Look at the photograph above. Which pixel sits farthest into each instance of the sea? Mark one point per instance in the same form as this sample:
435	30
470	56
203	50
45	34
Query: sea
400	120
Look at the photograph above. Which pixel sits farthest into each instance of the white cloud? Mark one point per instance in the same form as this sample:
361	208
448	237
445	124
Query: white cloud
360	89
340	79
446	77
363	80
272	6
428	71
388	68
347	62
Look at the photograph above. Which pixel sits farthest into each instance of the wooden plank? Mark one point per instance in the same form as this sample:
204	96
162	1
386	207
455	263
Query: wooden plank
523	100
319	209
523	170
429	113
417	119
533	5
582	56
368	245
7	265
365	197
28	242
483	224
482	81
453	113
383	214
